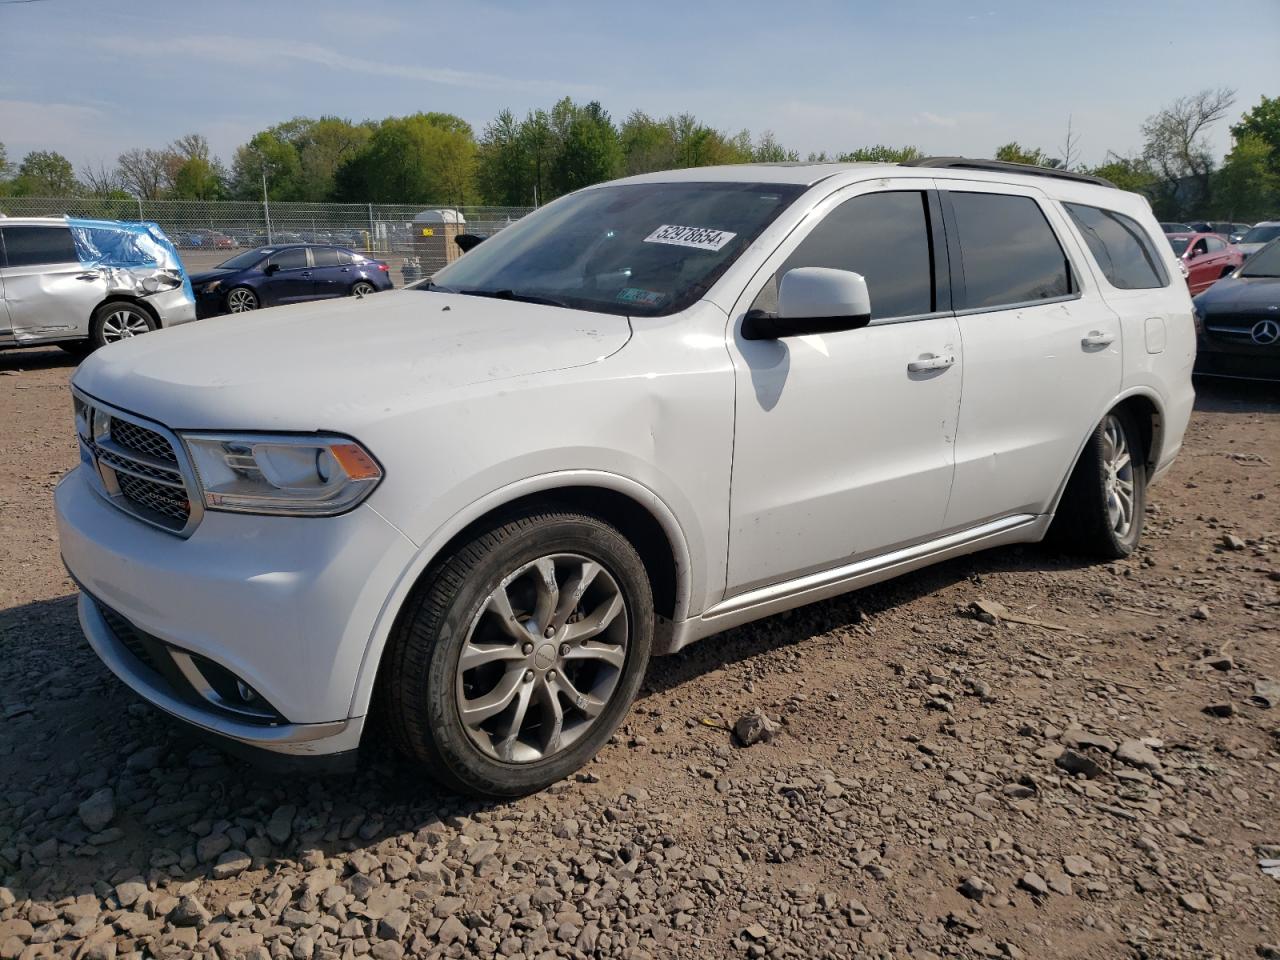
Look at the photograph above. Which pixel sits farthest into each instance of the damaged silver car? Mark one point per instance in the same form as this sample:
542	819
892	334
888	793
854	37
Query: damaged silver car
81	284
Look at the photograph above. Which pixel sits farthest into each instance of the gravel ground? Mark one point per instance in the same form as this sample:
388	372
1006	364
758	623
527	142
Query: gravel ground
1091	771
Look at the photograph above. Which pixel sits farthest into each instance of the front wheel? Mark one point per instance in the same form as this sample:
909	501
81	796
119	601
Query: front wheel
520	653
1101	512
117	321
241	300
363	288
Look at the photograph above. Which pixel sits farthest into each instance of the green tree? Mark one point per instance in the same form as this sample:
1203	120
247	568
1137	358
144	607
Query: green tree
196	179
880	153
589	148
1127	173
45	173
647	144
1176	146
325	146
6	168
504	167
1014	152
278	158
1263	123
423	158
1248	185
768	150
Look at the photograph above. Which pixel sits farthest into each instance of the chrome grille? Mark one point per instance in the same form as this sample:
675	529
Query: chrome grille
140	468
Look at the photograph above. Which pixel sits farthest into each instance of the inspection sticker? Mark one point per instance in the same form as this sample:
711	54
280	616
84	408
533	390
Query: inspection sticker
700	238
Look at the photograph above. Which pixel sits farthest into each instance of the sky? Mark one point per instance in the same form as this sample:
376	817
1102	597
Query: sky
91	79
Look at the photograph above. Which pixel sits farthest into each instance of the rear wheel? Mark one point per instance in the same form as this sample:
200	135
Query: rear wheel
520	653
241	300
119	320
362	288
1101	512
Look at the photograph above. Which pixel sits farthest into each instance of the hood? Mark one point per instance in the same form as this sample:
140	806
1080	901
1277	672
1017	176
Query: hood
1243	293
206	275
338	364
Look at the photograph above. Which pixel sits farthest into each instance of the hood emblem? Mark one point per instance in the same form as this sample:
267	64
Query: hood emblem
1265	332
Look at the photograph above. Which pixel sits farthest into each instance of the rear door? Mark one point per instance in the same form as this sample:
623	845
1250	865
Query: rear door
291	280
1042	349
49	294
331	270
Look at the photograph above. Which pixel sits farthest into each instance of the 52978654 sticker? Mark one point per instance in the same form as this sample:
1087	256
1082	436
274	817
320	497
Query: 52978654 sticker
699	238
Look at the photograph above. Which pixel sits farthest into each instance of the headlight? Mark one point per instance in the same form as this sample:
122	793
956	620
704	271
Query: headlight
211	286
291	476
1197	318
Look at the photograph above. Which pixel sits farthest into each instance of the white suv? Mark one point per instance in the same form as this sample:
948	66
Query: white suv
652	410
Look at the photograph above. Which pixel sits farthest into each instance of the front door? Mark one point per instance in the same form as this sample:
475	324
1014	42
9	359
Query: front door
1041	350
49	293
844	442
291	278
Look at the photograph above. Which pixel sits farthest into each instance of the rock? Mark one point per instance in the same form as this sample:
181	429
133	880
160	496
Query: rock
1226	709
446	907
988	611
1137	754
99	810
451	930
755	932
231	863
1077	866
1221	663
387	950
1035	883
753	728
211	847
129	892
1195	902
148	758
975	888
393	925
280	826
1079	739
1230	541
1074	762
189	912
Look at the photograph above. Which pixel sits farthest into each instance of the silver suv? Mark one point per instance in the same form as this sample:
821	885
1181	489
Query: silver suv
86	283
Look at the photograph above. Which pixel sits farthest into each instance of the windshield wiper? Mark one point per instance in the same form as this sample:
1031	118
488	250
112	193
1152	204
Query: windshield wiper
512	295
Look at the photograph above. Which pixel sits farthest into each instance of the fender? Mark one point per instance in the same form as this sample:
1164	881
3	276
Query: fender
1156	439
430	548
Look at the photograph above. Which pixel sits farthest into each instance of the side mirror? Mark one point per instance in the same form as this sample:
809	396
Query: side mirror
813	300
466	241
271	268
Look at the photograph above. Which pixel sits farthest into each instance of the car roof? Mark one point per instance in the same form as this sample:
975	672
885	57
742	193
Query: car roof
1193	234
33	221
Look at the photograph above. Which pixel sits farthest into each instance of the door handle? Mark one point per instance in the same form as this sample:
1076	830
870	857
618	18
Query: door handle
91	275
930	362
306	274
1098	338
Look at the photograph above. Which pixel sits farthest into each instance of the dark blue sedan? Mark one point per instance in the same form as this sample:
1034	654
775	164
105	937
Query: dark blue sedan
292	273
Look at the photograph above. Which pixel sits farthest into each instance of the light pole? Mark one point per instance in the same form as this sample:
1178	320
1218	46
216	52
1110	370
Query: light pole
266	204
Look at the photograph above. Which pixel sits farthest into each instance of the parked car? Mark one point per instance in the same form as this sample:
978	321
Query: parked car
1238	321
1206	257
1257	236
1237	231
1176	227
648	412
270	276
82	284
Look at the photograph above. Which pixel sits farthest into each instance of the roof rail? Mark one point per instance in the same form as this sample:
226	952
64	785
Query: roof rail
1005	166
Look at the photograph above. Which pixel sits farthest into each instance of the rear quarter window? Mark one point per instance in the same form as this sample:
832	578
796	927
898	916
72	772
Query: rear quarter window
1010	253
1124	252
34	246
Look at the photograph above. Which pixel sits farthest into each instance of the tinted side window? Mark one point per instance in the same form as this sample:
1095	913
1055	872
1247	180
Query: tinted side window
32	246
324	256
1010	252
1216	245
291	259
344	257
884	237
1122	248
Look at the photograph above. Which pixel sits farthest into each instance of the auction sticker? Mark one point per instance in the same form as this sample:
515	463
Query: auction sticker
700	238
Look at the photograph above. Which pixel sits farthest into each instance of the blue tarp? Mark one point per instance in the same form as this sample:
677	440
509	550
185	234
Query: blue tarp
130	253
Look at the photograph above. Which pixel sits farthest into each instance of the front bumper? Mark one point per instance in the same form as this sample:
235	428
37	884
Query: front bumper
285	605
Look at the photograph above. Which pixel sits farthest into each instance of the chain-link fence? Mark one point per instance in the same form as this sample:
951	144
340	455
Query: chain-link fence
415	238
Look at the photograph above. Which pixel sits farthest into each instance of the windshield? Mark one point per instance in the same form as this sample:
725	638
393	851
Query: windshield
1179	245
242	260
1264	263
1262	234
647	249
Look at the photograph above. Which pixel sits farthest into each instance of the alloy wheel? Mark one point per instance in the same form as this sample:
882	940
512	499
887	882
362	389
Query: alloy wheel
241	301
1117	476
542	658
362	289
123	323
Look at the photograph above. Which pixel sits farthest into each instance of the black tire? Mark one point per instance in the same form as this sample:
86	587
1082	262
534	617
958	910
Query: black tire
1085	522
118	320
241	300
363	288
419	682
77	348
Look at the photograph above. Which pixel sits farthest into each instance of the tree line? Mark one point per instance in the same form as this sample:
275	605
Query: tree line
436	158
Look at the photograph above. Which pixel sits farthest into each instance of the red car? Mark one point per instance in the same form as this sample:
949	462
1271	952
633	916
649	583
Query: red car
1206	258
